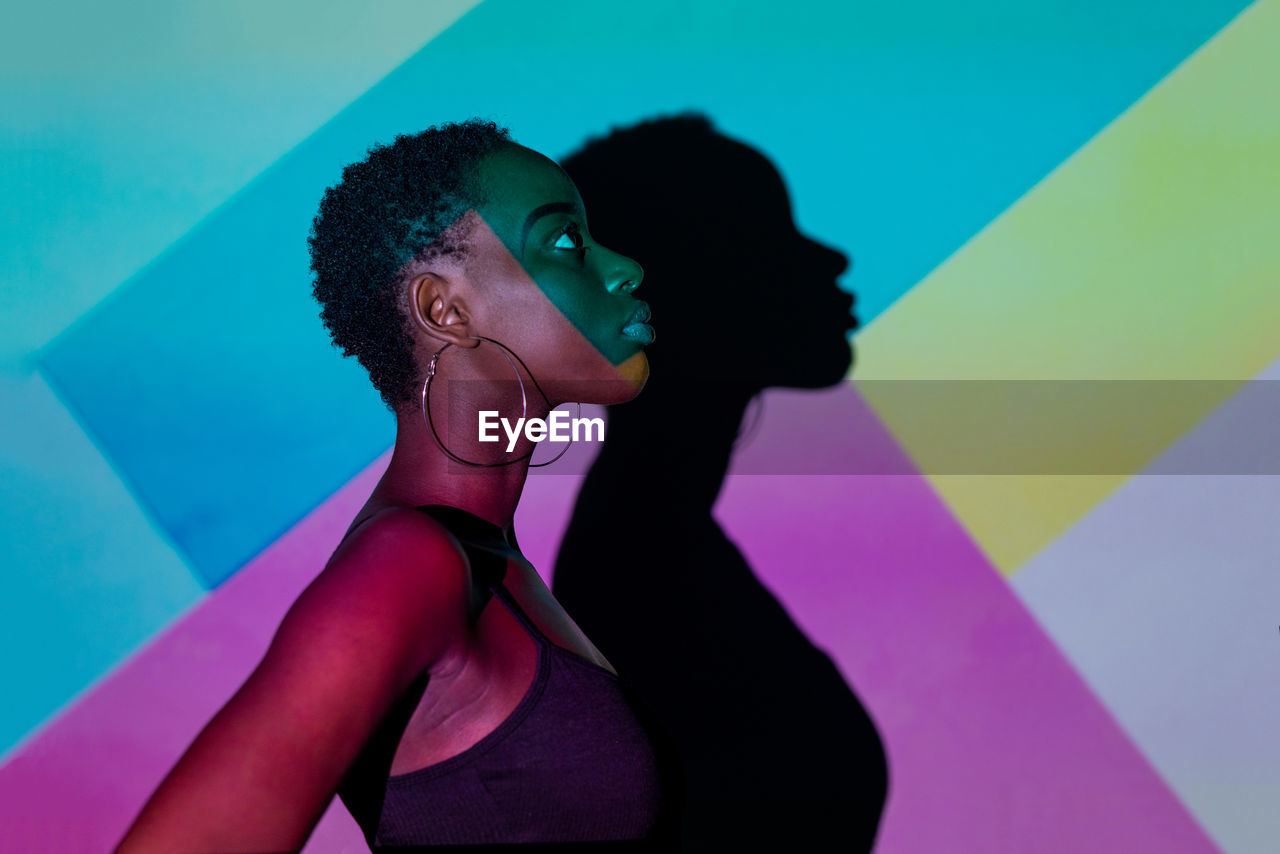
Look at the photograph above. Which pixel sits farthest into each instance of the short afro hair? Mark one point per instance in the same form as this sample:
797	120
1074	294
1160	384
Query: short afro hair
398	204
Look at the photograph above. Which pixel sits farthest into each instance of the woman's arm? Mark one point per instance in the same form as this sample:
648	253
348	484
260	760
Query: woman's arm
392	601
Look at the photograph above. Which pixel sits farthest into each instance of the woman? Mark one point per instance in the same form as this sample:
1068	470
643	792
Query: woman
457	267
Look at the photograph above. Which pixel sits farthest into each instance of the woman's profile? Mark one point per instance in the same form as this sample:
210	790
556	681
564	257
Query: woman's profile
427	675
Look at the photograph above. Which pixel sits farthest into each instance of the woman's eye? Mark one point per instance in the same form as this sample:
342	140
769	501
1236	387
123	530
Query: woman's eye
570	238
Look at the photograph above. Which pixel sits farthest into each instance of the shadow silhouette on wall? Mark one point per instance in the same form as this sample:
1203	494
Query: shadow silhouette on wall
775	748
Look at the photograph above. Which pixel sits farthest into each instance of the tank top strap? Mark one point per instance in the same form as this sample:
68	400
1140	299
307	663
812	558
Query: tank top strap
466	525
500	590
484	543
482	540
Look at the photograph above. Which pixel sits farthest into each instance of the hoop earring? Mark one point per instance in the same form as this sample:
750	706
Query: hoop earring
507	354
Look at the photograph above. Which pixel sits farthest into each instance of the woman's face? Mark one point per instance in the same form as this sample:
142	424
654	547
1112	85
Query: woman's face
540	285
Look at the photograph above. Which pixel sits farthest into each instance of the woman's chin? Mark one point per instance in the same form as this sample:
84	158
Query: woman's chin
635	372
628	379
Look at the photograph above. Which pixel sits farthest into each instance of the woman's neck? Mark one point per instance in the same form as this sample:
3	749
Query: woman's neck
420	472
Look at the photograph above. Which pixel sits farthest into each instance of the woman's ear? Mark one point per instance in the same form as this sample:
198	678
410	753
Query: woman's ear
439	310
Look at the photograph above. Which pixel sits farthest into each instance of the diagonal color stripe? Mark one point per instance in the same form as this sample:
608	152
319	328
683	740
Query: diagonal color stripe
86	577
122	125
1150	254
1163	597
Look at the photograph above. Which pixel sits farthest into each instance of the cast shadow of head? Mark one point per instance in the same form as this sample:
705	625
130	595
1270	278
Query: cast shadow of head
775	748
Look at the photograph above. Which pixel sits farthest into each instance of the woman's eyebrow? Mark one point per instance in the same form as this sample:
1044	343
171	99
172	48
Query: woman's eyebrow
541	211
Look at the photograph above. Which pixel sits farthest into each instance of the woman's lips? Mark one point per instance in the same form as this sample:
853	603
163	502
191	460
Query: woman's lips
636	328
641	332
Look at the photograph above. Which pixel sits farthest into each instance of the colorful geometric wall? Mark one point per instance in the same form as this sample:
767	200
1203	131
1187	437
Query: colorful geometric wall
1031	192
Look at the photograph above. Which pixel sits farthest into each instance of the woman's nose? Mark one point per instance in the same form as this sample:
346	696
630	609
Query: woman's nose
625	275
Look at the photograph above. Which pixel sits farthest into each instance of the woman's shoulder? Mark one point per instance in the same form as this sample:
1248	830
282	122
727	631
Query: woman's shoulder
391	602
401	573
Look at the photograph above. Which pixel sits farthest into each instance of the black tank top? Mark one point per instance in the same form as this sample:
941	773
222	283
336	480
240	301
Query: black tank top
580	758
